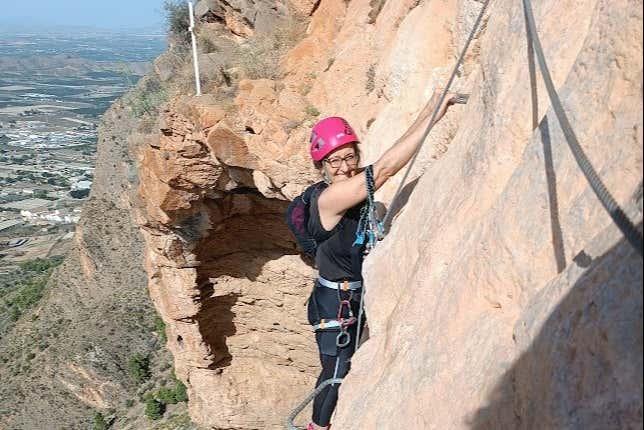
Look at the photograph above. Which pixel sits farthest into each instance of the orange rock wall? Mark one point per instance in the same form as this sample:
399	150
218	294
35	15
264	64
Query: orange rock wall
482	298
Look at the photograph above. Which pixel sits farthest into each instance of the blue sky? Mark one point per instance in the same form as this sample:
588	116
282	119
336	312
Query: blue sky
108	14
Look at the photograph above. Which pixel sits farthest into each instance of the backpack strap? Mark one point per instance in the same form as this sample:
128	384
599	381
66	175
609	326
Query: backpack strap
308	193
297	219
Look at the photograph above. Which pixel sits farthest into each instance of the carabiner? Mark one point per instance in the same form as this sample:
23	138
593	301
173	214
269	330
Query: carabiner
344	335
343	304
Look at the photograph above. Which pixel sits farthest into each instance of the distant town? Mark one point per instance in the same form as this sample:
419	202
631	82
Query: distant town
53	90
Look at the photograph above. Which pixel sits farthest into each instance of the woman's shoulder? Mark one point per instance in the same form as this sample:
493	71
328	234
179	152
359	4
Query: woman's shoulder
315	227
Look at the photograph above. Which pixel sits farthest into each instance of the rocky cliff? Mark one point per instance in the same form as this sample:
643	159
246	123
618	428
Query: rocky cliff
223	269
503	296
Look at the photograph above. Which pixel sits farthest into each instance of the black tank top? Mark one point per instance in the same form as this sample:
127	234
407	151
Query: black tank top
336	258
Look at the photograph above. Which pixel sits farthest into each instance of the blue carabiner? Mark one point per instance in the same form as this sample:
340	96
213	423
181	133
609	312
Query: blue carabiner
359	239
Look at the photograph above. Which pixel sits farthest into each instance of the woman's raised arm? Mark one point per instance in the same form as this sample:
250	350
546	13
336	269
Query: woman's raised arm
343	195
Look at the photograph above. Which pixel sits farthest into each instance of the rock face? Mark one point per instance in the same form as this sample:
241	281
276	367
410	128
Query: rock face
224	276
503	296
244	17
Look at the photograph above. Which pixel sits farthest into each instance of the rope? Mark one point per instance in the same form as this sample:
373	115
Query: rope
371	225
291	418
616	213
360	317
337	368
477	24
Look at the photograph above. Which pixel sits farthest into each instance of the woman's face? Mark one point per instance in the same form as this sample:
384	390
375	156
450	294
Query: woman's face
342	163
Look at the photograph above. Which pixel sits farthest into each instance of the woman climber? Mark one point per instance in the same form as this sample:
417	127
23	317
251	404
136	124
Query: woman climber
335	212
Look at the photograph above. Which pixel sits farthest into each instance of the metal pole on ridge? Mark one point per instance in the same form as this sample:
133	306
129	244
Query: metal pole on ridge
195	56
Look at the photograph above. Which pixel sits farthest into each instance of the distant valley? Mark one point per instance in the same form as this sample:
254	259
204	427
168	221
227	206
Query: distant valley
53	90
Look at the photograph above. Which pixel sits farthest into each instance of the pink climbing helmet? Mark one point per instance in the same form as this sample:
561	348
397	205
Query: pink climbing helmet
330	134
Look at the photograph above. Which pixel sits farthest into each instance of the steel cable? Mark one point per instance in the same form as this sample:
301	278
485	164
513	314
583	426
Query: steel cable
617	214
477	24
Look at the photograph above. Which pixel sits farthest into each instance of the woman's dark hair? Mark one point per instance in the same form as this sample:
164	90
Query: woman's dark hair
319	164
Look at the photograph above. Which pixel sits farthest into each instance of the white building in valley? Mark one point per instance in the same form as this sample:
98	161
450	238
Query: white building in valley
55	217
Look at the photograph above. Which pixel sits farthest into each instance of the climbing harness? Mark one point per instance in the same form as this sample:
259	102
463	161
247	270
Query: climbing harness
344	338
344	317
344	285
616	213
326	324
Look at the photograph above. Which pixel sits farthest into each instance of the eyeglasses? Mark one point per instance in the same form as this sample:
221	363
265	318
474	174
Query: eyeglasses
336	162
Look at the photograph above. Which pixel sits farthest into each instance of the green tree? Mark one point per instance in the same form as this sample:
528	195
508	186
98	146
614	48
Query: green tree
40	265
180	392
139	367
99	422
14	313
159	328
154	409
171	396
146	97
177	19
29	284
166	396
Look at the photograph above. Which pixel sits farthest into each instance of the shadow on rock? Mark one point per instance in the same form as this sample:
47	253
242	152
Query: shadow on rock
583	370
250	232
215	321
401	202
